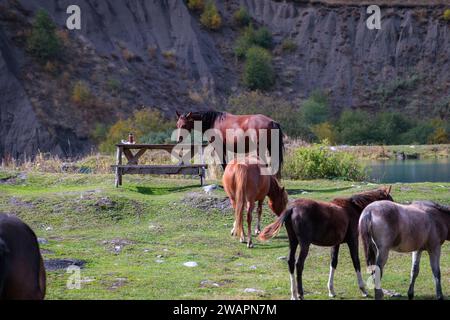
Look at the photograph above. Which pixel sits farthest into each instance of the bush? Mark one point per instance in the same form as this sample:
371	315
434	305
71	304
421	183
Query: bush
319	162
258	71
210	17
196	5
145	124
263	38
241	17
315	110
43	42
81	94
250	38
324	131
447	15
288	45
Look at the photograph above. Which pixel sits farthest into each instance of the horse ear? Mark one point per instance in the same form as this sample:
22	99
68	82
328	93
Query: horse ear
389	190
178	114
188	116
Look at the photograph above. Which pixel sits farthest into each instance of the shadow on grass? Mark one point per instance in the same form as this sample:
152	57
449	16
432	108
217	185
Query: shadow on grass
330	190
161	190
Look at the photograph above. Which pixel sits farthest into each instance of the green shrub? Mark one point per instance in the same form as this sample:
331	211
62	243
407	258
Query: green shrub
250	38
258	71
263	38
447	15
319	162
43	42
196	5
315	110
241	17
210	17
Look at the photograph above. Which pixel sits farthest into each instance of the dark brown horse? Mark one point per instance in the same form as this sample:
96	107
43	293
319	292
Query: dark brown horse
244	184
422	225
223	121
22	272
323	224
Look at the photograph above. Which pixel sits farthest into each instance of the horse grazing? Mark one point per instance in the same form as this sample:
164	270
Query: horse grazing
422	225
244	184
22	272
323	224
223	121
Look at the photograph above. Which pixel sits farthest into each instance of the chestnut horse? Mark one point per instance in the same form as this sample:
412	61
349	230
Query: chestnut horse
422	225
323	224
223	121
22	272
244	184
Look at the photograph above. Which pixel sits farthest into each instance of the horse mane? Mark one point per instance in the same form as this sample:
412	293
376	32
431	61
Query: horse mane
434	205
274	187
361	200
207	117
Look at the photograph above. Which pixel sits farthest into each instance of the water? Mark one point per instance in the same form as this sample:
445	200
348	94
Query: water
389	171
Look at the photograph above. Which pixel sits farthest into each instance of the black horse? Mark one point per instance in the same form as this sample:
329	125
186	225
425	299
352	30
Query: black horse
22	272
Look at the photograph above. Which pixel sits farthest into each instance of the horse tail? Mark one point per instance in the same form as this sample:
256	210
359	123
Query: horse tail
42	277
241	184
365	231
280	146
3	252
273	229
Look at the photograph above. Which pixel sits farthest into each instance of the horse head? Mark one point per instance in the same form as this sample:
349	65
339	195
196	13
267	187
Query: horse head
186	122
278	199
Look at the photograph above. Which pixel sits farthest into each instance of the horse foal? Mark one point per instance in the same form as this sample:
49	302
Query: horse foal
245	185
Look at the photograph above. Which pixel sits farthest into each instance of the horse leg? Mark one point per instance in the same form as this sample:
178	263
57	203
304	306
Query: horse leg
233	205
304	249
333	265
258	224
435	255
381	260
414	272
293	244
250	207
353	247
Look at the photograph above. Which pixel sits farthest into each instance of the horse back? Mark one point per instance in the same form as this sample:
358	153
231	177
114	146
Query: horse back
22	272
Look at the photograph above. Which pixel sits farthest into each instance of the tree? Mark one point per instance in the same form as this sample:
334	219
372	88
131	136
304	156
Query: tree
43	42
258	71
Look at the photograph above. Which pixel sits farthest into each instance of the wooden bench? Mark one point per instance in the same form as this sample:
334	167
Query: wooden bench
133	167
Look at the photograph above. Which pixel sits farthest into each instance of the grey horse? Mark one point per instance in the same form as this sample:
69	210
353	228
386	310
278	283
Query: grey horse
422	225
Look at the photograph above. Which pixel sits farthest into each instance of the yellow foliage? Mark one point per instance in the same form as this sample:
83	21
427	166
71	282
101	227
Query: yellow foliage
324	131
81	93
197	5
140	123
210	17
447	15
439	136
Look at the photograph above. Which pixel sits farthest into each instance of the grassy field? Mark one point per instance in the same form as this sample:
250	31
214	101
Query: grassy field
135	239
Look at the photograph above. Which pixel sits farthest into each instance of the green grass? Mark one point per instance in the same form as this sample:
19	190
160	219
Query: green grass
79	214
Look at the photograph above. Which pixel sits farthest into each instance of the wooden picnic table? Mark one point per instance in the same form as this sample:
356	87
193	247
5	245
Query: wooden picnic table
133	167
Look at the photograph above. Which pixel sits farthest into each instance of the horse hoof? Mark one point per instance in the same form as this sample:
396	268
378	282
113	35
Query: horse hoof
440	297
294	298
379	294
250	245
257	232
331	295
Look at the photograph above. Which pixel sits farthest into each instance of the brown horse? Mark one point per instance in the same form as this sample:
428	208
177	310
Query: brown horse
223	121
323	224
22	272
422	225
244	184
